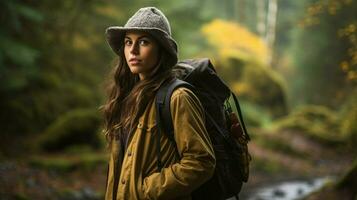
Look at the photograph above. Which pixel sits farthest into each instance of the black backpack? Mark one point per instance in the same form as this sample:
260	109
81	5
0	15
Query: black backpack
224	124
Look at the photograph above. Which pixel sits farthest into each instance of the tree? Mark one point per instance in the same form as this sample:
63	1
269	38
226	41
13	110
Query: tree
271	26
321	50
261	25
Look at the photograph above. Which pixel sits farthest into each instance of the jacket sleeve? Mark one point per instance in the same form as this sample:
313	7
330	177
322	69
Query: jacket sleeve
197	161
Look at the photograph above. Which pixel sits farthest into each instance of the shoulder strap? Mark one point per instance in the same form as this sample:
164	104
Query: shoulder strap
240	116
163	99
163	112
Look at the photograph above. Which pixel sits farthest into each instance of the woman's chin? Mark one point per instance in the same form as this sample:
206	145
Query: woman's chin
135	70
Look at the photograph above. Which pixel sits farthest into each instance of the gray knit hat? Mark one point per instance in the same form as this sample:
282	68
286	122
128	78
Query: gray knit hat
150	20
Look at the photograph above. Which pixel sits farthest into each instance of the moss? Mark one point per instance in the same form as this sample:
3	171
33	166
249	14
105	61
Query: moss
78	149
318	122
267	166
86	161
347	120
49	96
56	164
73	128
90	161
264	88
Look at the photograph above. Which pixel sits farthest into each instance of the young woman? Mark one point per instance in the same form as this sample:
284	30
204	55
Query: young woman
147	53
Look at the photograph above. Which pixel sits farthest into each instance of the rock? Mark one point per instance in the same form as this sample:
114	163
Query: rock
278	193
300	191
89	193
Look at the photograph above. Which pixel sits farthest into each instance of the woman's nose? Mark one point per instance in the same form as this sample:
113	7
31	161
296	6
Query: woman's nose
134	49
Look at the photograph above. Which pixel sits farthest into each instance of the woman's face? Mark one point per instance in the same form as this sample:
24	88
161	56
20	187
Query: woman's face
141	52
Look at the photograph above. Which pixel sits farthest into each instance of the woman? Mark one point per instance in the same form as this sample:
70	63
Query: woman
147	54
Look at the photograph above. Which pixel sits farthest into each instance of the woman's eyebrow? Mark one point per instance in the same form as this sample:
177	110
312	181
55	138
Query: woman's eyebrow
140	37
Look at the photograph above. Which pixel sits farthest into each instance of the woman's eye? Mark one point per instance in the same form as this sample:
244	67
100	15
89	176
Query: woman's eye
127	42
144	42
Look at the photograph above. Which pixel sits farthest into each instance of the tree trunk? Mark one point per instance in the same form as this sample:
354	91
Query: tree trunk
239	14
270	37
261	14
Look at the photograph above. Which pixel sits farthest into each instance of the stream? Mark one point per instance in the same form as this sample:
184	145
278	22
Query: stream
287	190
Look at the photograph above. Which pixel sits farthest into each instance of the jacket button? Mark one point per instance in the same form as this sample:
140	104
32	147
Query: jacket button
123	181
129	153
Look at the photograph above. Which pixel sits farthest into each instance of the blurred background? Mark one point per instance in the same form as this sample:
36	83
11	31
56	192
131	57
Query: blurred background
293	65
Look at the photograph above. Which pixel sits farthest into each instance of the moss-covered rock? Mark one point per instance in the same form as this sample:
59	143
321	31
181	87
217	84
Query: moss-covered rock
347	121
318	122
73	128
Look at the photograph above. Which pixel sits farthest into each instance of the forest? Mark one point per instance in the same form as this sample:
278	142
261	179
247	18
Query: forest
292	65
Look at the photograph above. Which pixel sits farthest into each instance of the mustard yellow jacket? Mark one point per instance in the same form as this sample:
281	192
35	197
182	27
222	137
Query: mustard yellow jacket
138	177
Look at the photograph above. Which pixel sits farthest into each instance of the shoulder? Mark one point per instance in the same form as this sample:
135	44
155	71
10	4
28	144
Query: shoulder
184	98
182	92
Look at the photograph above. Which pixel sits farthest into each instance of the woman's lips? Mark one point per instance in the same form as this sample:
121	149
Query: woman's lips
134	61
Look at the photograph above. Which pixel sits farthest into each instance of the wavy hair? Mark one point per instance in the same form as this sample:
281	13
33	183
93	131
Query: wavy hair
128	96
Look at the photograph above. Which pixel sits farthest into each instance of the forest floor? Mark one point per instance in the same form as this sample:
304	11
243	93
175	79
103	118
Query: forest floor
82	175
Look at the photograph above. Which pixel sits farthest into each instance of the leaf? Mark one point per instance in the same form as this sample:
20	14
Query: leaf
17	52
28	13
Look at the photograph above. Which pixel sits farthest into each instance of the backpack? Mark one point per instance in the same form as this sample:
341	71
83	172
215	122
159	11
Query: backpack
224	124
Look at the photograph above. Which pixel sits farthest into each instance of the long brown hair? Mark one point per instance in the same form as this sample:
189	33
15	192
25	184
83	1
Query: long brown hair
128	96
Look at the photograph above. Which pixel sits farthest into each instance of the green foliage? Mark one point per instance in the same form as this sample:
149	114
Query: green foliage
35	109
254	115
47	62
318	122
318	52
73	128
288	16
17	55
347	121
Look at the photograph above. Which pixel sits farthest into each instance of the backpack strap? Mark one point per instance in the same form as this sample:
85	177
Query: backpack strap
163	113
240	116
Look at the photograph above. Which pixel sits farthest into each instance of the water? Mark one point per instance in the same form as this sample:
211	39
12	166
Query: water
289	190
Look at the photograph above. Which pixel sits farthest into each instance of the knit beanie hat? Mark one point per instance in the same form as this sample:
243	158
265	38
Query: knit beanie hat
150	20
